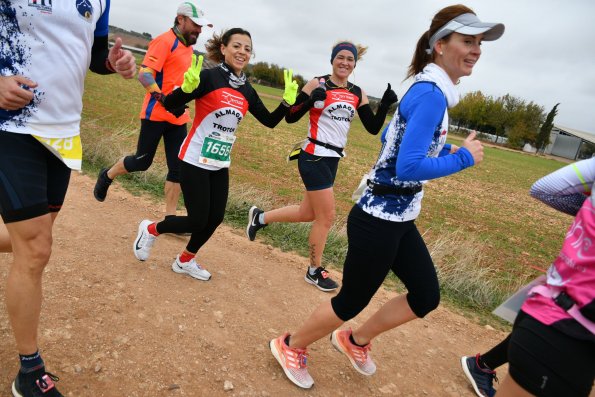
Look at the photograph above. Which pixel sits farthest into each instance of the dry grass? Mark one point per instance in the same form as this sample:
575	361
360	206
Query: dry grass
466	274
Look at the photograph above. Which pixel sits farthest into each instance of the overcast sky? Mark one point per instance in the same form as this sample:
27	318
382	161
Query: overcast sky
546	54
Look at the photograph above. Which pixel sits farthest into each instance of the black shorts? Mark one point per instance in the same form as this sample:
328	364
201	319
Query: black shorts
317	172
546	362
33	181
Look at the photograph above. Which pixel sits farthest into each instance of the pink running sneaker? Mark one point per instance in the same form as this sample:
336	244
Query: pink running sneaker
293	362
359	356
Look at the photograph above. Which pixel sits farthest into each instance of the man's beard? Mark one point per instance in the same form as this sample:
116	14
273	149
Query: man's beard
190	40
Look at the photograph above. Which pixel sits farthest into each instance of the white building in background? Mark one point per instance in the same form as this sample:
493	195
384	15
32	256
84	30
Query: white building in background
567	142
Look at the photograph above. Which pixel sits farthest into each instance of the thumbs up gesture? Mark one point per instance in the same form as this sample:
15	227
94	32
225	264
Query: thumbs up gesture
121	60
475	147
389	97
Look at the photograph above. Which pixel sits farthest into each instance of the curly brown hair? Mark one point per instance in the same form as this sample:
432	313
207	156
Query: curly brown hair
213	45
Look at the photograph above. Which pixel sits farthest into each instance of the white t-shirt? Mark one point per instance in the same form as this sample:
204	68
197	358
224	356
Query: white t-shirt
49	42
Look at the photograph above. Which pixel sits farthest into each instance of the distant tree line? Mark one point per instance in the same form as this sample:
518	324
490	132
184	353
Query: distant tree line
144	35
270	75
507	116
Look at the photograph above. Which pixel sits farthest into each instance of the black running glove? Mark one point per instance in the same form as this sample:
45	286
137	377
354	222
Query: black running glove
160	97
389	97
179	111
318	94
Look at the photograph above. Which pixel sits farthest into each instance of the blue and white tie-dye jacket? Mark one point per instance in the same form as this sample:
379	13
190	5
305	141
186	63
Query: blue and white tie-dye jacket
413	150
50	43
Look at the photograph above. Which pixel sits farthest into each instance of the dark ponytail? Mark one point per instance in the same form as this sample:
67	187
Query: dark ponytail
420	57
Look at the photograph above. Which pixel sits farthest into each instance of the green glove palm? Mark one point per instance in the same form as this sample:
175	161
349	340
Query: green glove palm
291	87
192	75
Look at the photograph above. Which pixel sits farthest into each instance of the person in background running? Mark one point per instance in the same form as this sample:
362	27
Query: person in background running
45	53
551	351
319	158
162	70
222	96
381	230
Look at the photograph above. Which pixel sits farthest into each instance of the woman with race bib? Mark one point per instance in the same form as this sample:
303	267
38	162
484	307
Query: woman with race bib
332	102
222	97
381	231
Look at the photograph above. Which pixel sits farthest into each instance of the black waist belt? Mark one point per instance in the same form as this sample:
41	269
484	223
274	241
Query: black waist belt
564	301
328	146
381	190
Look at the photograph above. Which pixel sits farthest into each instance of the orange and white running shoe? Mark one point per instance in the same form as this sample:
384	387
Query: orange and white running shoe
359	356
293	361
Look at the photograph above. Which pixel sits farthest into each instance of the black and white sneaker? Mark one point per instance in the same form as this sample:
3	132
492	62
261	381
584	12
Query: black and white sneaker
253	224
38	383
102	185
321	279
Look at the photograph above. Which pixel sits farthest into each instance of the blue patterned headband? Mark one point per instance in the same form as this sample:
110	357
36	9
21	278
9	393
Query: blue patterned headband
344	46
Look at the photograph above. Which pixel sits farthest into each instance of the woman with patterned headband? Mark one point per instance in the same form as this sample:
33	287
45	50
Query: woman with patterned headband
332	102
381	230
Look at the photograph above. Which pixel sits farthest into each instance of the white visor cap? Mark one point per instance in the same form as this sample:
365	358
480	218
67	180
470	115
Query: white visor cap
467	24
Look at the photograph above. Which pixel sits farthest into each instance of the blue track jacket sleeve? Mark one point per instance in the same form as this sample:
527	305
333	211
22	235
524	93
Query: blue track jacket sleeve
102	26
423	108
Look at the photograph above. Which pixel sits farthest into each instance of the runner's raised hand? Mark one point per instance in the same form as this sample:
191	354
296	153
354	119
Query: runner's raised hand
291	87
474	147
121	60
389	97
192	75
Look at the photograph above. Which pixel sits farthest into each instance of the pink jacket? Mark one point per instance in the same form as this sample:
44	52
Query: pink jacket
573	271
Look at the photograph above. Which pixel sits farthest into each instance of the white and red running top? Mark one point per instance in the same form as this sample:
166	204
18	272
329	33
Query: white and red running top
331	123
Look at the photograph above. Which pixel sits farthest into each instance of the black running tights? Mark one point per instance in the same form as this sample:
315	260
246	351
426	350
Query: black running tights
148	141
205	197
377	246
497	355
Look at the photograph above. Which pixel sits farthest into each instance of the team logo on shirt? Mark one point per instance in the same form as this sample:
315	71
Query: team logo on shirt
232	100
342	97
342	112
85	9
42	5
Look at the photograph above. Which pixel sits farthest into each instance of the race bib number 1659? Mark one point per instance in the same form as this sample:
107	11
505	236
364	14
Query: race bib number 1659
216	150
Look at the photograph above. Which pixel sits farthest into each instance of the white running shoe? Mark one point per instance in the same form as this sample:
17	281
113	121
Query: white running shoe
144	241
191	268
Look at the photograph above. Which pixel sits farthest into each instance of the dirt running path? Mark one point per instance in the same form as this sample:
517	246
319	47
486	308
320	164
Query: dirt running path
113	326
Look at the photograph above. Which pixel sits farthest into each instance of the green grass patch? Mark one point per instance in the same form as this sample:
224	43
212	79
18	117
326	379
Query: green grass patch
263	89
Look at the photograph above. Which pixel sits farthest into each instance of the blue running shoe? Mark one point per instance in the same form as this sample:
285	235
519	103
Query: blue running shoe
482	379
